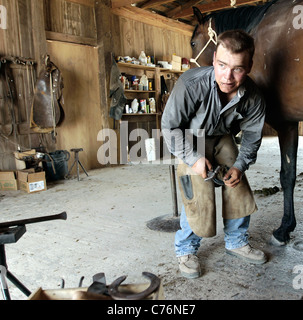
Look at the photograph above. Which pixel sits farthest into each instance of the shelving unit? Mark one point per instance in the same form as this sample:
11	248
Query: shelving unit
152	73
146	121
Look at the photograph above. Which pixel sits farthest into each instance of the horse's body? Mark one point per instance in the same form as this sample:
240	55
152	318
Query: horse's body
277	70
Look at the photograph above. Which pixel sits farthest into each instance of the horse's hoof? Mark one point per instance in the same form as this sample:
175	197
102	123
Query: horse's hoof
276	242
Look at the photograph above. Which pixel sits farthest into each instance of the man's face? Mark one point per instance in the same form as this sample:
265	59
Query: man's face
230	69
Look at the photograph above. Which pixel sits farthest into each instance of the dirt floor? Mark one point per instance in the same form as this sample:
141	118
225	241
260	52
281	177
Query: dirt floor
106	231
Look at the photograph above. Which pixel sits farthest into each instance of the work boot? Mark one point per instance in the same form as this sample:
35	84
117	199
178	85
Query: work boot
249	254
189	266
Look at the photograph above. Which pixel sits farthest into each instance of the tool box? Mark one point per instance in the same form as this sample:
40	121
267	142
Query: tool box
75	293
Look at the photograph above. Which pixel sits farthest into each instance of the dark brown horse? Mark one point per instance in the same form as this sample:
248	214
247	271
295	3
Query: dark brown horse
278	71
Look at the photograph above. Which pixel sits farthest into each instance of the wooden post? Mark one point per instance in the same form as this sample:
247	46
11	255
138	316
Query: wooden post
38	30
104	41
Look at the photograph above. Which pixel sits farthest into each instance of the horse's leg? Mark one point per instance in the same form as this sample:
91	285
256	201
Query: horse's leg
288	139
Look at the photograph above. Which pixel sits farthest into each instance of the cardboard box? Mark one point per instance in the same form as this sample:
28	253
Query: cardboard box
8	181
73	293
31	181
176	65
176	58
20	163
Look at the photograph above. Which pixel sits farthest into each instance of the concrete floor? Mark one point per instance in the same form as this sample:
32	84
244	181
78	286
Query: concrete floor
106	232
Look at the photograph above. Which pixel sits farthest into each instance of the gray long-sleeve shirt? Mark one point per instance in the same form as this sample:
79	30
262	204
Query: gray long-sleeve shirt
194	104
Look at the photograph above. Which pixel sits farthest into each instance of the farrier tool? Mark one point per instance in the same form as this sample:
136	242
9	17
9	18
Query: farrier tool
99	291
117	295
212	175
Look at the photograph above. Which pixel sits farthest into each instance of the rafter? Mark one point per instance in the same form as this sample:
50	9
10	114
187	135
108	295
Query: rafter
182	12
179	9
153	3
208	7
122	3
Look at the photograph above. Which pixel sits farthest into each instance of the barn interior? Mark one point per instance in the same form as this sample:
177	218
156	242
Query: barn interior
82	159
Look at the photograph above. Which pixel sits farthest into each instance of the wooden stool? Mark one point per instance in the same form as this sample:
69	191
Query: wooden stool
77	161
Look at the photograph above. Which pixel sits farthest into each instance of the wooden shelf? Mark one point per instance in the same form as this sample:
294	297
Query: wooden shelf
140	114
139	91
171	70
135	66
138	66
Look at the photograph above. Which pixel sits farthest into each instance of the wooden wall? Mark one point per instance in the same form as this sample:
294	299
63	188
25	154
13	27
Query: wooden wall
121	32
133	31
80	36
70	21
79	65
21	38
72	45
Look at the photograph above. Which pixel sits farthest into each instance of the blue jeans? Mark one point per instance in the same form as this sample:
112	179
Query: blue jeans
236	236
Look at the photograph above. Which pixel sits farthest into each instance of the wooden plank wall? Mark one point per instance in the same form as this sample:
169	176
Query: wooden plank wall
72	44
20	39
70	21
106	31
134	31
110	33
79	65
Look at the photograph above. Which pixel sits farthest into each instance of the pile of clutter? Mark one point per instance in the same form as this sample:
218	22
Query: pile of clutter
175	62
141	106
143	60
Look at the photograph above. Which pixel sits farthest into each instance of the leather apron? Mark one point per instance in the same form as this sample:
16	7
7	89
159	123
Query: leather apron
198	196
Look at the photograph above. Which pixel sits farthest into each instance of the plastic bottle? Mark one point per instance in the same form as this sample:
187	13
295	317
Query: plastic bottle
144	82
143	58
152	105
135	105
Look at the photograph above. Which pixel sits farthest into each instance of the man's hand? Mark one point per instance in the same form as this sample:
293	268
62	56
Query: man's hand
232	177
201	167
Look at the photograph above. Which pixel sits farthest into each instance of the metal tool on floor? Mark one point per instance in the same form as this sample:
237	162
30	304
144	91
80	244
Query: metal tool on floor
114	292
11	232
77	162
98	290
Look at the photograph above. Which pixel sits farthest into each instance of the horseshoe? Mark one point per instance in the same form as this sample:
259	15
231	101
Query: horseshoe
117	295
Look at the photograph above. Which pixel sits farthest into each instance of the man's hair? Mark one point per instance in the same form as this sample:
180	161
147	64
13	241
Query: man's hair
237	41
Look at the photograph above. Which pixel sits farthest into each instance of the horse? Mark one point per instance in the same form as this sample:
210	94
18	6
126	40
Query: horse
275	27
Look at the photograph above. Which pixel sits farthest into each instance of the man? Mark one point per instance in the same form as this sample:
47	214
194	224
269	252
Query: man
210	103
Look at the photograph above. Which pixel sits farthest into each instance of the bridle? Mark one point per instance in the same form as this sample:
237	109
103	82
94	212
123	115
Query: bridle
212	38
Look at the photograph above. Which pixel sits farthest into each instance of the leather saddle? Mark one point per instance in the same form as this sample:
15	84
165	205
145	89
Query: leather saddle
47	112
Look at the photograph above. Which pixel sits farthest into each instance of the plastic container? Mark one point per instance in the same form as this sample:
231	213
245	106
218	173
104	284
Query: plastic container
144	82
55	165
143	58
135	105
152	105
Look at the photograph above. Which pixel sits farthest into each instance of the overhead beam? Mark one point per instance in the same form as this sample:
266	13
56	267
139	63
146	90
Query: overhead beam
209	7
180	9
153	3
153	19
122	3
